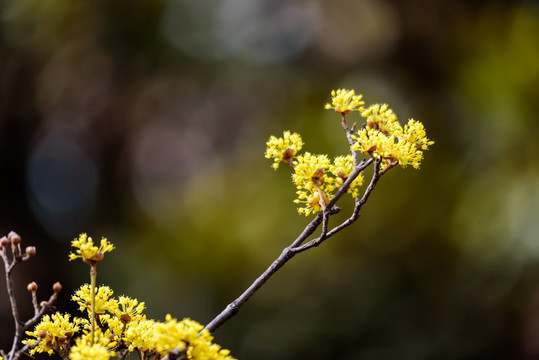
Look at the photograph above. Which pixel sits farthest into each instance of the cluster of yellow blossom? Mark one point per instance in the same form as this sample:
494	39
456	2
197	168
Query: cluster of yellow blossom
316	177
381	137
384	138
345	101
121	326
283	149
86	249
53	333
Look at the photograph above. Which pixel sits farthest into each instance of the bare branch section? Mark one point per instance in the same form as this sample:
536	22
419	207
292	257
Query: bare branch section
10	251
299	245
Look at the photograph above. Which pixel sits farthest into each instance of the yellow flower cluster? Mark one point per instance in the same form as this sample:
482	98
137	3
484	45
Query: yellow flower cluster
384	138
103	302
85	351
86	249
121	322
283	149
121	326
345	101
317	178
187	336
53	333
342	168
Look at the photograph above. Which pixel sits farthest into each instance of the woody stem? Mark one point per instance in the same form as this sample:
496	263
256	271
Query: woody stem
93	276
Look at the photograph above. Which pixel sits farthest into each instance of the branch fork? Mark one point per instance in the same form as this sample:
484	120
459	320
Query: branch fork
300	245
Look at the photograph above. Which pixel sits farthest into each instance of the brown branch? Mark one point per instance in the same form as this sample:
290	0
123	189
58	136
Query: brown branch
322	218
177	354
349	132
288	252
39	309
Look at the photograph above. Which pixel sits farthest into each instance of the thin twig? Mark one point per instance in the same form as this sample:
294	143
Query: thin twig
39	309
348	133
9	265
325	215
353	175
322	218
289	252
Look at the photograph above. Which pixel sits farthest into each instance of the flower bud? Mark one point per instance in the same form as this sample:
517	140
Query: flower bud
30	251
125	318
57	287
14	238
32	287
42	334
4	241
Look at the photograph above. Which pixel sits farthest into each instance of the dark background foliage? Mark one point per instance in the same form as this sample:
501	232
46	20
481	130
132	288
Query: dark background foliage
146	122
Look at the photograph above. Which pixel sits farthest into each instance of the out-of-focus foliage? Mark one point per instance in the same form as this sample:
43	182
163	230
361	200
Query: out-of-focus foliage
146	121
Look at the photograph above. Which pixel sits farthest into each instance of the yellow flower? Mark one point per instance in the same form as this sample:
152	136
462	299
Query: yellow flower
345	101
414	132
406	153
139	335
311	201
103	303
342	167
186	335
380	117
391	149
128	309
86	249
311	179
53	333
310	170
283	149
85	351
373	142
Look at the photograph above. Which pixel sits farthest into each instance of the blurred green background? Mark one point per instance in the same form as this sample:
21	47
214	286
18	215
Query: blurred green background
146	122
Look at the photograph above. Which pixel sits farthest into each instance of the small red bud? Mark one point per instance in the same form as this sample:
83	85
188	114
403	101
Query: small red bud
4	241
318	174
14	238
32	287
42	334
57	287
30	251
125	318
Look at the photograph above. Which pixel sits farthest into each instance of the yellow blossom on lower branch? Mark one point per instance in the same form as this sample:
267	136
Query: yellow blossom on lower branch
85	351
53	333
105	337
139	335
160	338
